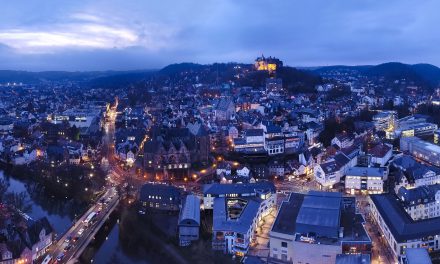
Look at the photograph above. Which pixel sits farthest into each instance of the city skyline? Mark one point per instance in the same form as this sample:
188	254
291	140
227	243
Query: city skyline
149	35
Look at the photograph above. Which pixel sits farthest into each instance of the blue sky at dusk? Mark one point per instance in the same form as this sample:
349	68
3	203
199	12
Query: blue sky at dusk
126	35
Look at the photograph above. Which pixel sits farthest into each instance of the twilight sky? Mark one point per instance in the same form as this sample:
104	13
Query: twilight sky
145	34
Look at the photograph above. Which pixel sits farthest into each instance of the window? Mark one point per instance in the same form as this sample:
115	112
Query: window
284	244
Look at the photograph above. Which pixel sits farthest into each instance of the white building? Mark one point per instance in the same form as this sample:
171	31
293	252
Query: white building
412	174
422	202
399	230
381	154
365	180
343	140
384	120
330	172
421	149
235	220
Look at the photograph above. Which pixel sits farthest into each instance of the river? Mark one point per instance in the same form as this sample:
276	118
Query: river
61	214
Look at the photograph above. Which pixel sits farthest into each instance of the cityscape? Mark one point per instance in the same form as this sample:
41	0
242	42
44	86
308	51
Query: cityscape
132	133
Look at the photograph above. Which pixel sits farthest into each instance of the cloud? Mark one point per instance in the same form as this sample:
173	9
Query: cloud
116	34
86	31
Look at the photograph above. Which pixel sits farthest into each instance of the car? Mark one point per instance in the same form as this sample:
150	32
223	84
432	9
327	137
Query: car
74	239
68	238
81	231
47	259
60	257
67	248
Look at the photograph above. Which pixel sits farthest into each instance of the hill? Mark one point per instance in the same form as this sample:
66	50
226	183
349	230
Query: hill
425	75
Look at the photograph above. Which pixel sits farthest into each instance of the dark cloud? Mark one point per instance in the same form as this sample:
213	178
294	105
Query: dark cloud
121	35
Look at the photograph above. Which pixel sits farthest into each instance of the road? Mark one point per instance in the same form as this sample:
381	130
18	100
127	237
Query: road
381	251
80	232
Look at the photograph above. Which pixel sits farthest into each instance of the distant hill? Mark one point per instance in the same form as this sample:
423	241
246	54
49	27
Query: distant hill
91	77
426	75
181	67
118	79
341	68
428	72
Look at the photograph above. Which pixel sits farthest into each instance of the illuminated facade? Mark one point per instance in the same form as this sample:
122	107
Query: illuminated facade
269	64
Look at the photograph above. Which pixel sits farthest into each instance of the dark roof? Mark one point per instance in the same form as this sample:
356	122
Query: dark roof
319	209
254	132
380	150
160	190
330	167
273	129
400	223
285	221
217	188
341	159
35	227
419	194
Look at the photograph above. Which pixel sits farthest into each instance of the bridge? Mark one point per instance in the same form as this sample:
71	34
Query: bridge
73	243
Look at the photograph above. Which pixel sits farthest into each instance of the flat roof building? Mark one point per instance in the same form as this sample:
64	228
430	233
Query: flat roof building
421	149
316	227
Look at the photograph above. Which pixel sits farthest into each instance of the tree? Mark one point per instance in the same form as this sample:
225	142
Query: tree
4	185
19	200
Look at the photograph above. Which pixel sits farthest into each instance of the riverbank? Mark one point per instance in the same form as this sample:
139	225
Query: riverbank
60	212
65	181
146	239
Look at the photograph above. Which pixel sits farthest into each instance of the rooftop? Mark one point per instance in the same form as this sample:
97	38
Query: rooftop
227	219
319	209
238	188
366	171
289	210
400	223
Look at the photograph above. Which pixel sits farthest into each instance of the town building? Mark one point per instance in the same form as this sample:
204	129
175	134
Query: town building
224	109
412	174
252	143
416	256
171	152
316	228
270	64
437	136
399	230
422	202
235	220
384	120
381	154
343	140
421	149
365	180
189	220
262	188
331	171
160	197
